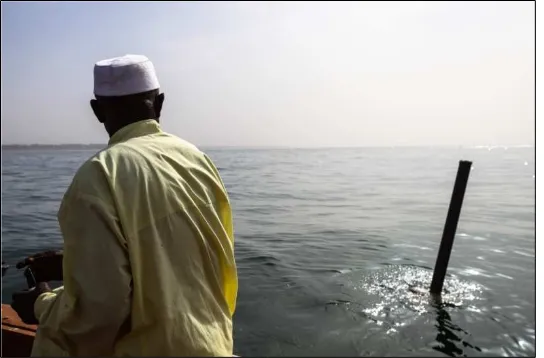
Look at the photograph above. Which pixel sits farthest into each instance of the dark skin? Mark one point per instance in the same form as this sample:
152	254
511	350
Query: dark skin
117	112
114	113
23	302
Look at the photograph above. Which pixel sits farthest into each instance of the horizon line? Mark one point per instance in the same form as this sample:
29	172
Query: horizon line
104	145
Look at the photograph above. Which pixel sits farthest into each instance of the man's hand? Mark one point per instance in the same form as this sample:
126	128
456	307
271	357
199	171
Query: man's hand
46	266
23	302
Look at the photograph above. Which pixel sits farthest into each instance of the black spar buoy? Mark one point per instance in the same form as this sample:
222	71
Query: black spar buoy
450	227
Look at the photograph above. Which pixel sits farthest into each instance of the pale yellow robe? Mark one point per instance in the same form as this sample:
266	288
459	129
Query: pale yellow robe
149	265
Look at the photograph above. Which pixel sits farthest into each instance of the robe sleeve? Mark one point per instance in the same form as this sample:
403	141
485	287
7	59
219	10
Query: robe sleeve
90	313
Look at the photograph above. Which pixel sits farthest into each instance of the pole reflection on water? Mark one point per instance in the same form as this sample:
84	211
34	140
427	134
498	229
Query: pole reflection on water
447	338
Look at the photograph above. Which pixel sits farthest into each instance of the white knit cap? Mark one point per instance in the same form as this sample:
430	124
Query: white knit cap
125	75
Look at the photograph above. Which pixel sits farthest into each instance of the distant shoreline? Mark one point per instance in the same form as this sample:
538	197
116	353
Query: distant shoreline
102	146
52	146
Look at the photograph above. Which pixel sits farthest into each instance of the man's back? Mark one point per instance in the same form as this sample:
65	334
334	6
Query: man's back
167	207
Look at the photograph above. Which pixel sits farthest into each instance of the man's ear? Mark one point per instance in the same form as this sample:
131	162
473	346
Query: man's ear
159	100
96	109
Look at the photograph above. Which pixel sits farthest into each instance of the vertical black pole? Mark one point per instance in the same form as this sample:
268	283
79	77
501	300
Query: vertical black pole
450	227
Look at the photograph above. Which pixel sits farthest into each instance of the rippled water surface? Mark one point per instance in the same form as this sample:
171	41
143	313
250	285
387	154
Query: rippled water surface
335	247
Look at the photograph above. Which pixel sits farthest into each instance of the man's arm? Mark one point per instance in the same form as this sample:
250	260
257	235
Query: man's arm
224	211
89	315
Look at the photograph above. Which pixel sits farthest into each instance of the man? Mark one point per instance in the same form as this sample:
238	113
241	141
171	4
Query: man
148	263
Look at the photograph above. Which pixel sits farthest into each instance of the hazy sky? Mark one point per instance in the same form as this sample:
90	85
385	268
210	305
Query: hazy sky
286	74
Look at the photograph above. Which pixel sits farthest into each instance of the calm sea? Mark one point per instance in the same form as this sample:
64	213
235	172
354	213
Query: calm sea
334	245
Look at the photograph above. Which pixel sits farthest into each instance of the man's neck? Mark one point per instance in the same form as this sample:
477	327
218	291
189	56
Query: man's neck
117	125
